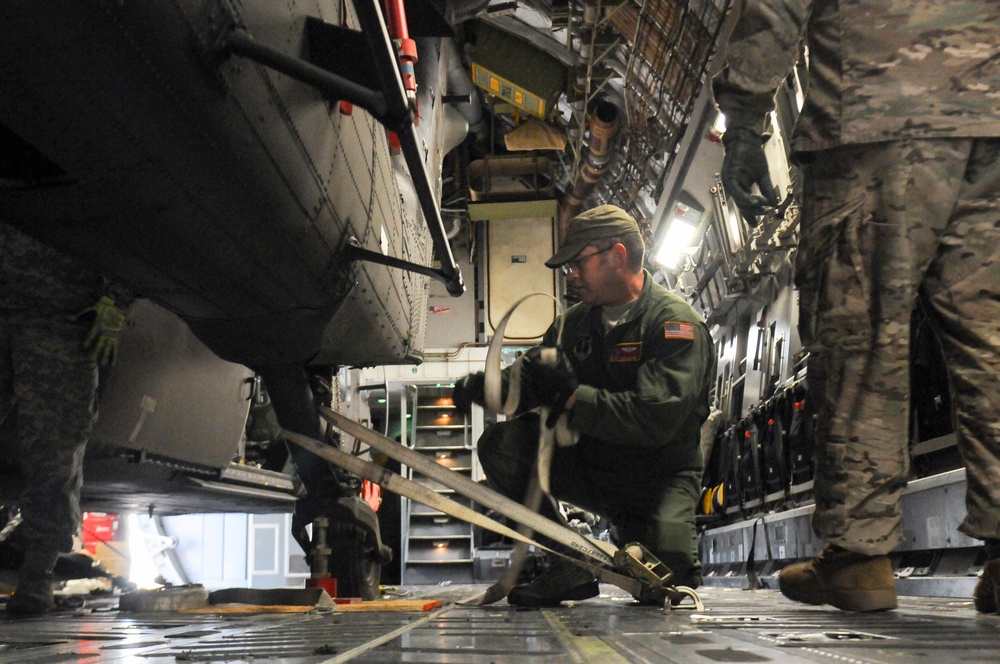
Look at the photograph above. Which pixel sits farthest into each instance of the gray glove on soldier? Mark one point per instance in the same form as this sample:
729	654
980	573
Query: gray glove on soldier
551	379
745	166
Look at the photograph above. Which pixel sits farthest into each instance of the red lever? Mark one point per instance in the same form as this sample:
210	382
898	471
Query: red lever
400	33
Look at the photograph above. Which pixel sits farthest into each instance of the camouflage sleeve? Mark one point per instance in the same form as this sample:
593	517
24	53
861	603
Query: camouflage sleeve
122	295
761	51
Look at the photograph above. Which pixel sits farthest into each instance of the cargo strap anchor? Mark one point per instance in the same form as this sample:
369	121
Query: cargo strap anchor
633	568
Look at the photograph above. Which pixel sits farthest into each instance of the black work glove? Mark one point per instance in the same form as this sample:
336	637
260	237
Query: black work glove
745	166
469	390
551	379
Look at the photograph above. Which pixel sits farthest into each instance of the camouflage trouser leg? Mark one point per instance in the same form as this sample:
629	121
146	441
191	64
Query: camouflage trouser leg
962	289
54	383
876	219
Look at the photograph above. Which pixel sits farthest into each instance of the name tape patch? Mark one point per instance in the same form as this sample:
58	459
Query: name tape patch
678	330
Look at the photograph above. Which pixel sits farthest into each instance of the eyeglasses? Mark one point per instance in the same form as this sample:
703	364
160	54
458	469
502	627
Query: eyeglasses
575	264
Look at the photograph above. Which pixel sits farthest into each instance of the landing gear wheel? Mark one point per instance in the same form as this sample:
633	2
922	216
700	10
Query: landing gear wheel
354	562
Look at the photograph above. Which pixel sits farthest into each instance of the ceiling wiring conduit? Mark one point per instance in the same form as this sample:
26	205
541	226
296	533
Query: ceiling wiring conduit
604	125
581	85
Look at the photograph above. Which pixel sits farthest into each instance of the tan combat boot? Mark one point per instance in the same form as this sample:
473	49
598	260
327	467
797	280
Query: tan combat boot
986	596
841	578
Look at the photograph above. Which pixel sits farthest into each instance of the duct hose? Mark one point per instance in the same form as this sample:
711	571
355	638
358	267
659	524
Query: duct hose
604	124
460	83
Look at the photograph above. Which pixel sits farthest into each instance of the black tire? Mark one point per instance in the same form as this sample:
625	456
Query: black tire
354	562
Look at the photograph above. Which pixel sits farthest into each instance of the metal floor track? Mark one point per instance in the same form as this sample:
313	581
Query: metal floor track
737	626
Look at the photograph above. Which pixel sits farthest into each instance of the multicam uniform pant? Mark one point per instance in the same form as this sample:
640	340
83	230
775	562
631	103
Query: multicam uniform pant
882	225
48	394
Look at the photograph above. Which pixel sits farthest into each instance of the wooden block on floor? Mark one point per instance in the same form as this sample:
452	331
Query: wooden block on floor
392	605
231	609
191	596
311	597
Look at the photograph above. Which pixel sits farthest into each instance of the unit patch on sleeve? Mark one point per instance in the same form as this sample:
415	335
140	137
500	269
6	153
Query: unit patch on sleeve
630	352
678	330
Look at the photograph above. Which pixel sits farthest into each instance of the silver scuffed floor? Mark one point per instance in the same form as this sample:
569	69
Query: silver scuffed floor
736	626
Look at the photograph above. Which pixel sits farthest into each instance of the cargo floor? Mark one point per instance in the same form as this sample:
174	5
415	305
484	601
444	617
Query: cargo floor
736	626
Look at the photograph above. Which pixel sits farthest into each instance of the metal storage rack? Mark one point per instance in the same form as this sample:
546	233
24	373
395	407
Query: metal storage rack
437	547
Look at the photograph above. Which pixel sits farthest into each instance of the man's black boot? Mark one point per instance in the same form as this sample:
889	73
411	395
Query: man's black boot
34	584
562	581
33	595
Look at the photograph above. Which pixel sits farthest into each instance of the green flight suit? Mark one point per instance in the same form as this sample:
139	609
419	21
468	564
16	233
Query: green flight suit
643	396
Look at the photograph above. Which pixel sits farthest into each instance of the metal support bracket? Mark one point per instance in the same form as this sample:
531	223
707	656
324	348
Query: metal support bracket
387	103
636	561
353	251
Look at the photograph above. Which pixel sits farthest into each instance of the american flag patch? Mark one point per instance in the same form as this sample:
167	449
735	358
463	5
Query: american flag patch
677	330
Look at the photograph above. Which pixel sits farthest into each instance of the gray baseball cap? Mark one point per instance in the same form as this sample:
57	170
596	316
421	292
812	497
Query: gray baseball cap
584	228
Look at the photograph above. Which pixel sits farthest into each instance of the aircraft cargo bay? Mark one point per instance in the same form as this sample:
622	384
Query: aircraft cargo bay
366	279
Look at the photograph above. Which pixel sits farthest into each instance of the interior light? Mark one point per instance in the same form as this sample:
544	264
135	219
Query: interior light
440	545
142	569
677	241
381	401
409	415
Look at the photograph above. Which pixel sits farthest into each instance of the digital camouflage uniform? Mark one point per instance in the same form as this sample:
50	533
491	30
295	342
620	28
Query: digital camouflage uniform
47	384
898	142
643	395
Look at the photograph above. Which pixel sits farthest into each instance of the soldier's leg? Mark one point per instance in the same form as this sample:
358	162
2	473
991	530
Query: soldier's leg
55	384
508	453
871	221
963	291
662	519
